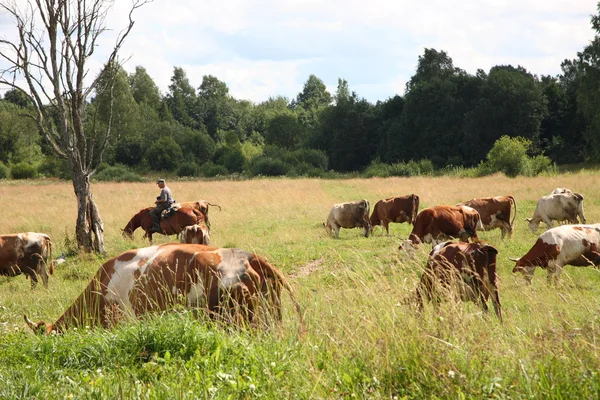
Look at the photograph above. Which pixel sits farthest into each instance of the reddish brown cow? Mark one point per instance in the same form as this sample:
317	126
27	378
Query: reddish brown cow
468	267
495	212
26	253
229	284
395	209
439	223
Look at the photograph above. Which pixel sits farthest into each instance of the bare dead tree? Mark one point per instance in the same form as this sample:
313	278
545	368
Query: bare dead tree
48	64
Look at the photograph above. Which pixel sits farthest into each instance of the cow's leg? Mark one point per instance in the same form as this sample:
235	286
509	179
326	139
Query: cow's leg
386	224
548	222
336	230
554	270
34	279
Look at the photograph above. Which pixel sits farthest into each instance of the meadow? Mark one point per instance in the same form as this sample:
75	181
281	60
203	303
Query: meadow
361	339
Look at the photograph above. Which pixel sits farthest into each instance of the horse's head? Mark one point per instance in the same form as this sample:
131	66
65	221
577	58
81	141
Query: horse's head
127	233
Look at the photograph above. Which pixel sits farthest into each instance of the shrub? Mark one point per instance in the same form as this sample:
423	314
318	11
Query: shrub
539	164
377	169
117	173
269	167
188	169
509	155
164	154
316	158
211	169
234	160
4	171
55	167
23	170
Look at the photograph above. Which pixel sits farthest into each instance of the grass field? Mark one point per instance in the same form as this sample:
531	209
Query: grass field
362	341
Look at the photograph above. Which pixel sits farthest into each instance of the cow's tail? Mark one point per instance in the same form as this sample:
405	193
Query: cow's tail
274	273
47	253
514	203
415	209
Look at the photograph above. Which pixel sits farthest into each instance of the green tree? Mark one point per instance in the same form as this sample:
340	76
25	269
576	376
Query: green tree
215	106
144	89
164	155
285	131
588	97
313	98
181	99
52	60
511	102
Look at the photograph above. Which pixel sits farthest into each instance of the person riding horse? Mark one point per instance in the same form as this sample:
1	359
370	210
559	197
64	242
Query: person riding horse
163	202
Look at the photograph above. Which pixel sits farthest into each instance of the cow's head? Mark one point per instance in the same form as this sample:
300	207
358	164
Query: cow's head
525	268
533	226
410	245
196	234
39	328
327	227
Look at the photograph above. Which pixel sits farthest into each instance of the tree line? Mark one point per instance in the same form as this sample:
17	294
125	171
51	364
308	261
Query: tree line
447	117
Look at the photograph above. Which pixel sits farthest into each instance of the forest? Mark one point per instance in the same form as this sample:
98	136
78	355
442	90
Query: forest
506	119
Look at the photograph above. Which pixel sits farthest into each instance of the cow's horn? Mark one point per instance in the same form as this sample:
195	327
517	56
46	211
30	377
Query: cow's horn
515	259
29	322
528	219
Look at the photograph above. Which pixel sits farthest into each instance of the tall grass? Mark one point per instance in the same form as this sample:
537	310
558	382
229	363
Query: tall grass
362	340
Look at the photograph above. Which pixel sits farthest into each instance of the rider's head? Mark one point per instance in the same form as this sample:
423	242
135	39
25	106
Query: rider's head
160	183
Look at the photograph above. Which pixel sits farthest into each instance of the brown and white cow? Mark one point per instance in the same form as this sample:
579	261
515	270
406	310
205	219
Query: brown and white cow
202	206
353	214
439	223
575	245
557	207
195	234
495	212
229	284
26	253
395	209
469	268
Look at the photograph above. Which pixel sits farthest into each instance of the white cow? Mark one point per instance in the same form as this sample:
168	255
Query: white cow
564	245
557	207
353	214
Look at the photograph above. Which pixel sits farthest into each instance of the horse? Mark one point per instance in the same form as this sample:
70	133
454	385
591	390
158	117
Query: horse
171	225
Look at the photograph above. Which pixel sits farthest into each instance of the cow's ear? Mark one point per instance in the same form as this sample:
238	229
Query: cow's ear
489	249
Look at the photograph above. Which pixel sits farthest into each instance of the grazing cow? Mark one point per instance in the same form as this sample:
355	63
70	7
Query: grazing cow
202	206
436	224
26	253
195	234
353	214
395	209
575	245
469	266
495	212
561	190
229	284
557	207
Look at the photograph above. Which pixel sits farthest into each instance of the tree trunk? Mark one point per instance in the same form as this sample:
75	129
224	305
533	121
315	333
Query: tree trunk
89	229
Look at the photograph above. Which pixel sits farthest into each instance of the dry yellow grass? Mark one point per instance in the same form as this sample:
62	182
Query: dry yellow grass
352	289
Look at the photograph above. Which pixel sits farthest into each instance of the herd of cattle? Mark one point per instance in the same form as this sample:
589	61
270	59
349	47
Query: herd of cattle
237	286
471	267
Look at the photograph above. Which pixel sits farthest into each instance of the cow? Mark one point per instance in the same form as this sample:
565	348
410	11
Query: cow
202	206
231	285
27	253
195	234
468	267
436	224
557	207
561	190
353	214
395	209
495	212
575	245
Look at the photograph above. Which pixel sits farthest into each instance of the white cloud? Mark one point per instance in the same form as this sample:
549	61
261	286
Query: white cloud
263	48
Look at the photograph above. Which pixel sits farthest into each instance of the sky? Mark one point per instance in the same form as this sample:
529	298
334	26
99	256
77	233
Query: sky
267	48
